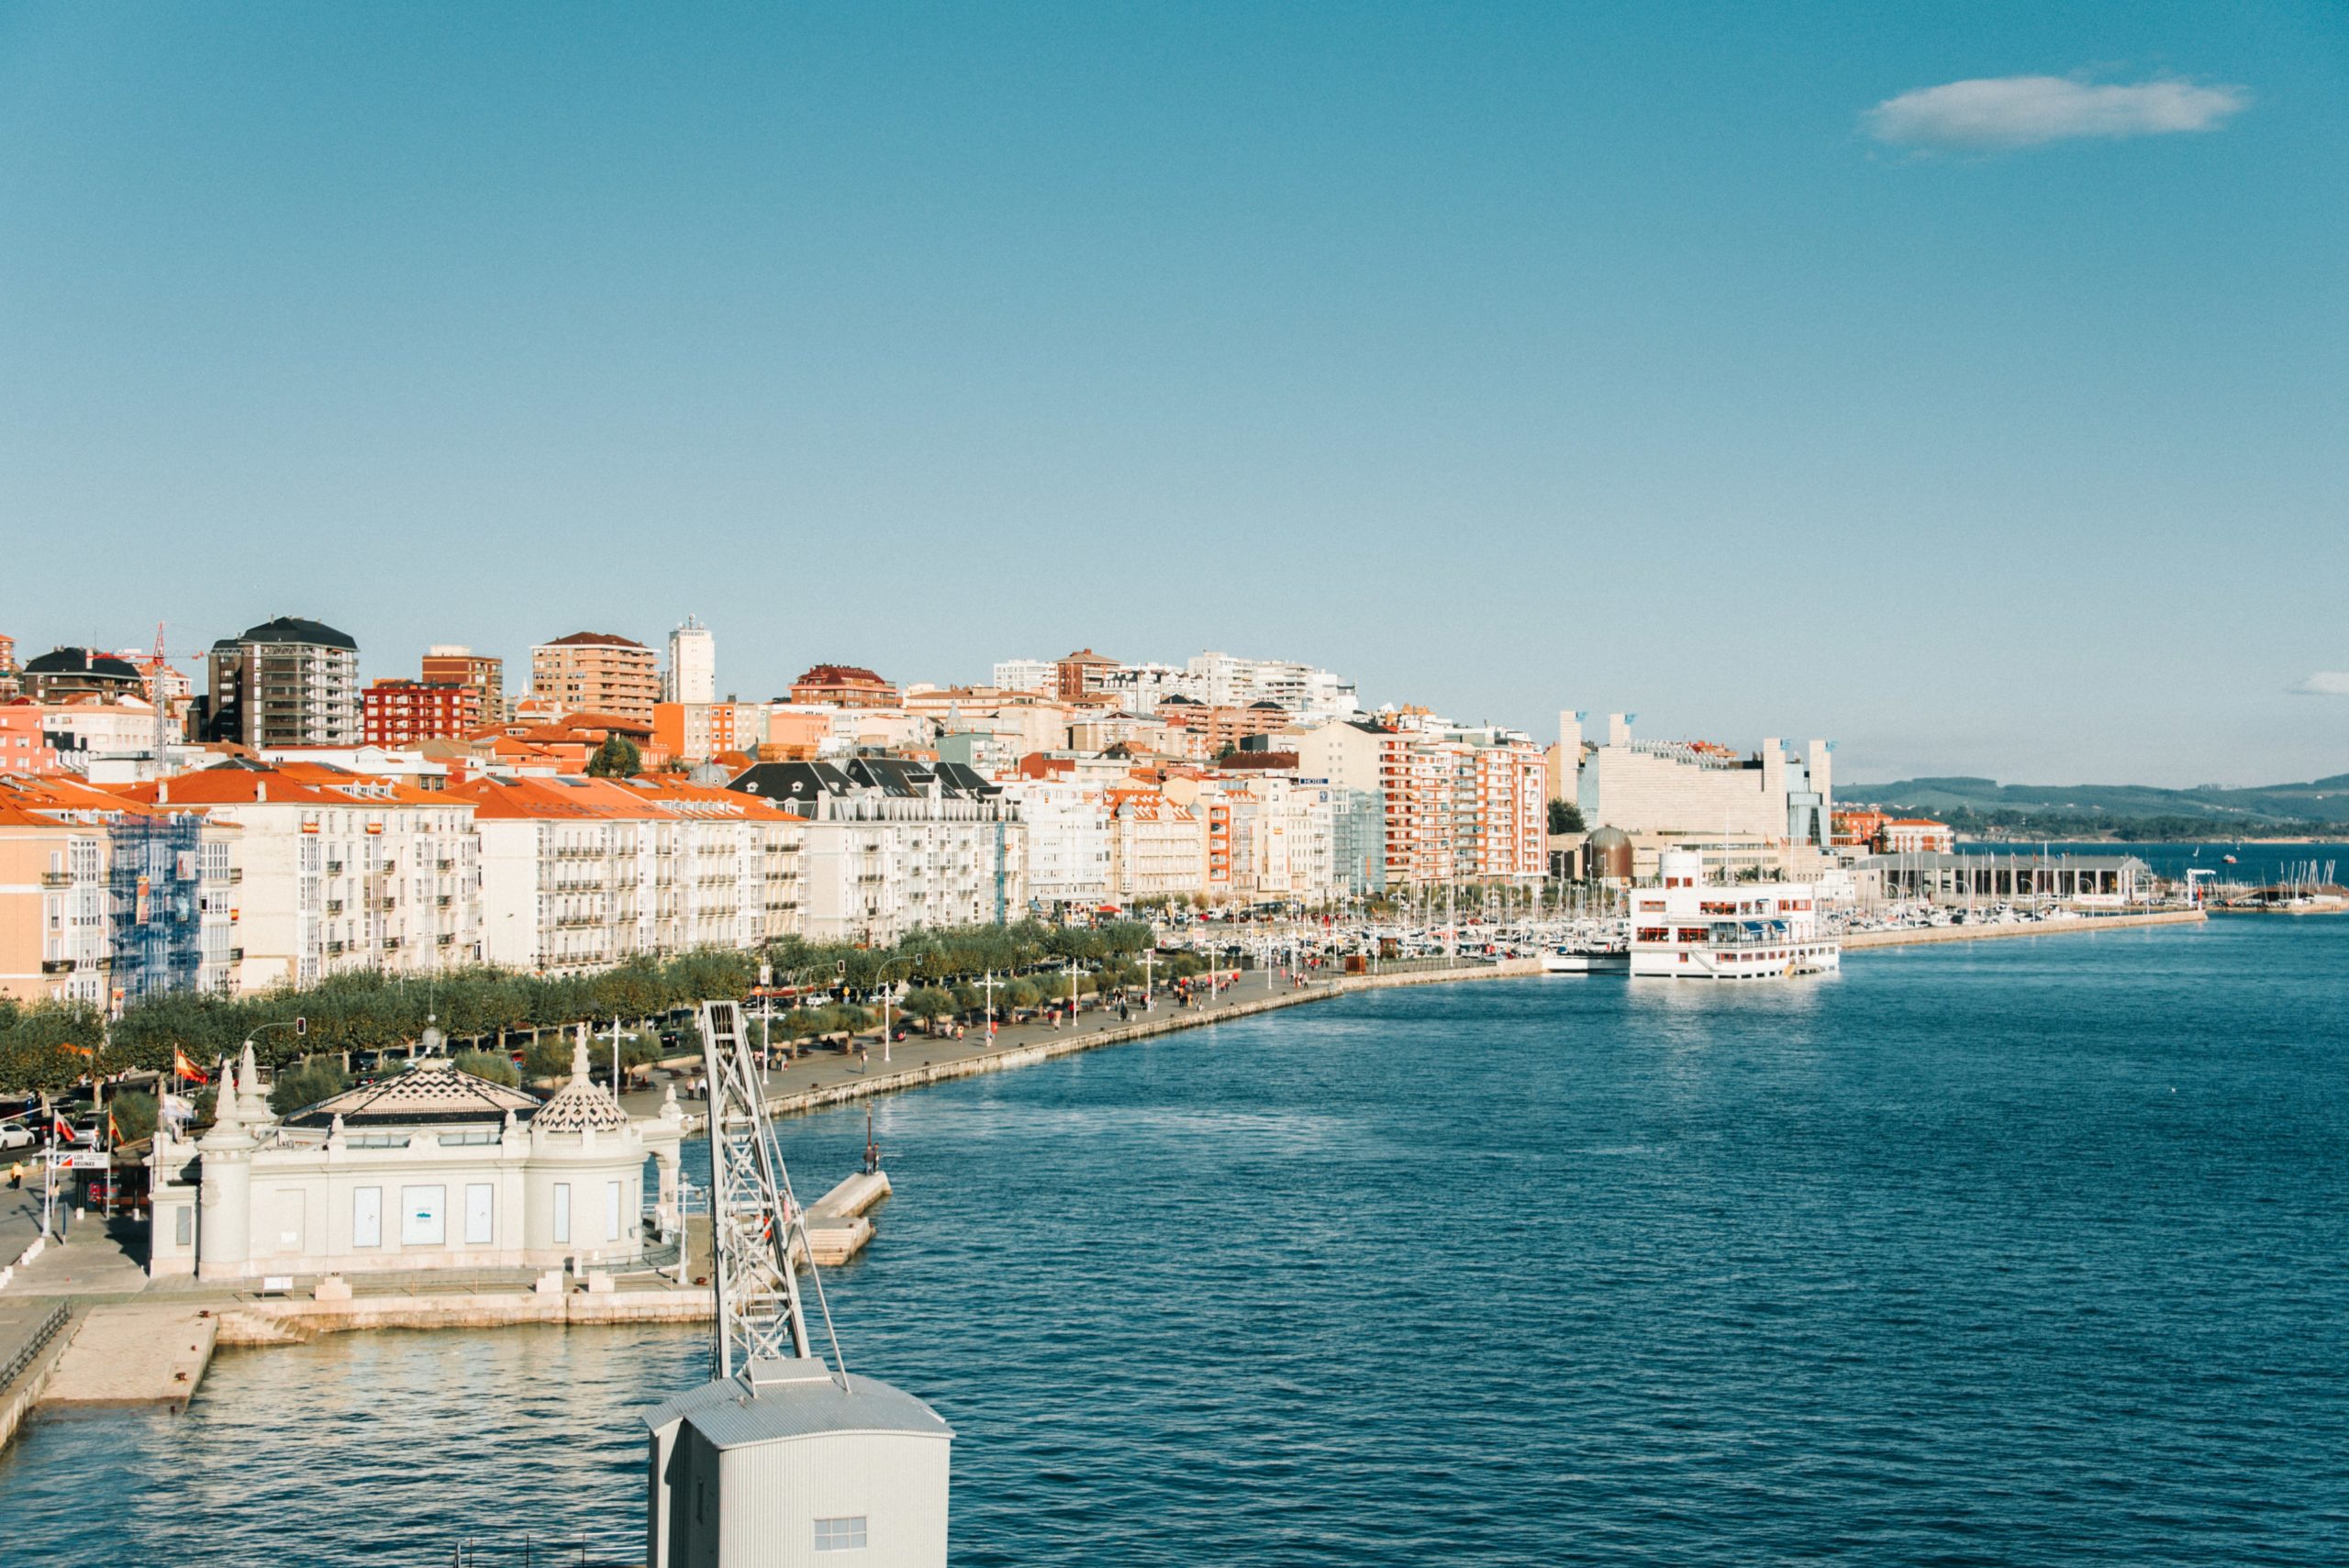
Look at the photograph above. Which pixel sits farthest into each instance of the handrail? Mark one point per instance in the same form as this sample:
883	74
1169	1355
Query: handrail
39	1340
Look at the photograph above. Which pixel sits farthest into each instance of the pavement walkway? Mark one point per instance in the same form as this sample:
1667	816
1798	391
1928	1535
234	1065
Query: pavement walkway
828	1068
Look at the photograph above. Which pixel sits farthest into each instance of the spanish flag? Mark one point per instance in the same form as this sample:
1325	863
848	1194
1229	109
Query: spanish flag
184	1070
114	1129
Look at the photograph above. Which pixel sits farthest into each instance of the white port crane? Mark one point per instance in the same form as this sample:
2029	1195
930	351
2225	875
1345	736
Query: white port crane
753	1217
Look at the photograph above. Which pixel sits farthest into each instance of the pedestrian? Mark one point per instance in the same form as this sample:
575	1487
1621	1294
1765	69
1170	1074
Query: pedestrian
16	1174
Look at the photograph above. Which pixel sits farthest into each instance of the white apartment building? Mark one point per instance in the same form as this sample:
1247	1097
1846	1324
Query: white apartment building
1068	839
1220	680
691	674
579	874
1696	787
338	871
895	846
1037	675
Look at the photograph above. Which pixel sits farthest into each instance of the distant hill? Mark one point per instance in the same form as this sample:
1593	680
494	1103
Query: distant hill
1986	803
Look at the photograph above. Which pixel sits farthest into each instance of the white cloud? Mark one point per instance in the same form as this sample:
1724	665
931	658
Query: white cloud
2323	683
1995	113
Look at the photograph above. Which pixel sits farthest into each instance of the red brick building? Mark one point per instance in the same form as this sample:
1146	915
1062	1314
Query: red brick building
391	712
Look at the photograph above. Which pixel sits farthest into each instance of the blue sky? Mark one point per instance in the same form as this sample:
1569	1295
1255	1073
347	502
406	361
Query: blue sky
1730	365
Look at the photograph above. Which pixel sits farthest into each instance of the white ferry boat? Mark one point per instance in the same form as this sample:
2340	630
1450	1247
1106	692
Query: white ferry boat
1689	930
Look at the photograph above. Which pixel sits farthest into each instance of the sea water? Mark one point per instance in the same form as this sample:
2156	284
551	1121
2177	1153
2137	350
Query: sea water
2031	1251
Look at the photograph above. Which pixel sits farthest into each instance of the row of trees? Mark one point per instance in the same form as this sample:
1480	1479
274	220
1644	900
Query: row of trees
52	1045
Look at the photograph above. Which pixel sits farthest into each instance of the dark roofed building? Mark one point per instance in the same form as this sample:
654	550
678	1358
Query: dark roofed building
287	681
63	673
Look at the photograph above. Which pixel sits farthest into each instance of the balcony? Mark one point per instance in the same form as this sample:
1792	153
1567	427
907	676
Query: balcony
334	867
334	906
56	966
235	955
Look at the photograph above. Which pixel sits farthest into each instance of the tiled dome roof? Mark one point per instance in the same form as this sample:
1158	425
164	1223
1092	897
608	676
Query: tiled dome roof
431	1091
579	1105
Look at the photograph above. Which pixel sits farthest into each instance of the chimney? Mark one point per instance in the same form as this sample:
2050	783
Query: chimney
261	790
163	792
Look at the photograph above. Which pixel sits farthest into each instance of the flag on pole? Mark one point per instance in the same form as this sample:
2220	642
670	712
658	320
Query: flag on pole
186	1070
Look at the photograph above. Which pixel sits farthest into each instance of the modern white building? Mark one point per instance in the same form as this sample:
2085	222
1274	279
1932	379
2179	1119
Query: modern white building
692	672
1697	787
432	1168
1036	675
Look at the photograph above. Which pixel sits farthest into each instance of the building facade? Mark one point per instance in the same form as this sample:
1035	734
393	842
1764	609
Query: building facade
580	875
896	846
453	664
1699	787
430	1168
595	671
287	681
692	672
394	712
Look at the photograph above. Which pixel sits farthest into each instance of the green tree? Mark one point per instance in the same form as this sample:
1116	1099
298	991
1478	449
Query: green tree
617	758
306	1083
489	1064
133	1113
1565	816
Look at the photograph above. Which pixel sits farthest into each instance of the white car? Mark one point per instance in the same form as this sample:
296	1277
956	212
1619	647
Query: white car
15	1135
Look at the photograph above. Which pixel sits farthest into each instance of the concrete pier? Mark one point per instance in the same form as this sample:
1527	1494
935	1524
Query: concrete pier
138	1353
1860	941
837	1228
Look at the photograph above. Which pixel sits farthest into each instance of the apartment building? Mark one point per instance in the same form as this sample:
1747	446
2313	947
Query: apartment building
453	664
106	901
1215	726
595	671
394	712
1068	839
1462	803
1036	676
697	731
339	871
1157	848
895	846
691	676
579	874
287	681
843	685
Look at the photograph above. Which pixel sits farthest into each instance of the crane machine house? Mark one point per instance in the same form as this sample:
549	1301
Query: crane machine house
1687	928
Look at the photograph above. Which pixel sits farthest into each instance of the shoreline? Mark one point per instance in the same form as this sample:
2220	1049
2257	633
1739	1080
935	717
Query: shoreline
1917	936
245	1319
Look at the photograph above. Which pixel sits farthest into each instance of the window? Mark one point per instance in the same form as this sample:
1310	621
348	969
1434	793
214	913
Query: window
841	1535
183	1225
613	1193
367	1216
562	1211
424	1216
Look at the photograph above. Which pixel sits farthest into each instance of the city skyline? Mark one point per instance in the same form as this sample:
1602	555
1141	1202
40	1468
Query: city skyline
1981	379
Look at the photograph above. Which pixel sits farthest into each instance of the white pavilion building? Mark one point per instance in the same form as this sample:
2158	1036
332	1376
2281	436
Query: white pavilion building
432	1168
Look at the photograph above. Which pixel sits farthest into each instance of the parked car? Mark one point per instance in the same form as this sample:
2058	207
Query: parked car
16	1135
